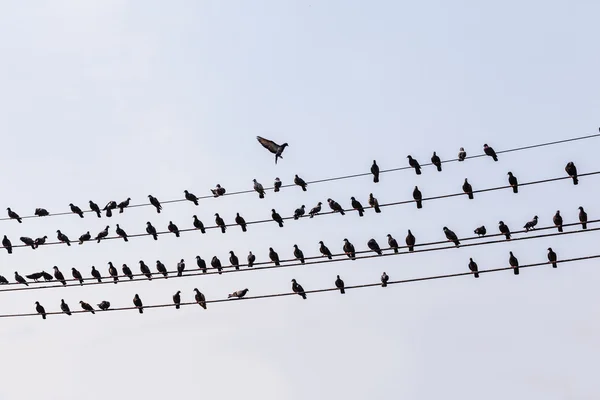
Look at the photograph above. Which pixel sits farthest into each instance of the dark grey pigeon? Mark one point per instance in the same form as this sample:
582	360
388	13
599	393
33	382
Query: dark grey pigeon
102	234
384	279
123	205
392	243
298	289
273	256
40	309
552	257
96	274
160	267
299	212
200	298
473	267
191	197
339	283
300	182
144	269
7	244
240	221
373	245
173	228
111	205
233	259
177	299
20	279
435	160
138	303
375	171
216	263
85	237
334	205
104	305
121	233
315	210
468	189
154	201
512	181
410	241
86	306
59	276
462	154
151	230
276	217
583	218
415	164
41	212
490	152
514	263
94	207
238	294
558	221
451	236
220	223
418	196
504	229
127	271
571	170
357	206
201	264
259	189
349	249
76	210
112	271
65	307
218	191
298	254
374	203
251	259
272	147
198	224
14	215
481	231
77	275
277	185
28	241
180	267
530	225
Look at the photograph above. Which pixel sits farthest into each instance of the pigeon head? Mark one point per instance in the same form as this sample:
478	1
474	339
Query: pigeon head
185	191
320	242
500	223
293	280
352	198
485	145
216	214
462	149
581	208
272	210
444	228
549	248
345	240
388	235
231	252
37	303
284	145
409	157
509	174
270	249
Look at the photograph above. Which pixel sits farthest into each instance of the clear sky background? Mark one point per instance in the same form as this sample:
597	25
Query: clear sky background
107	100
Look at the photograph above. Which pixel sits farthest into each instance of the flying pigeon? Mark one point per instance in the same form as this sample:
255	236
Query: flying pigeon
272	147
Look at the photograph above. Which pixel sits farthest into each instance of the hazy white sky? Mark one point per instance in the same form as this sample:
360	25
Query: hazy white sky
107	100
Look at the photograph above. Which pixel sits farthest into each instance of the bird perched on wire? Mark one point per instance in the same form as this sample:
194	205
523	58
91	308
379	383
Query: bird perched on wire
121	233
35	276
299	212
468	189
272	147
198	224
375	171
349	249
3	280
218	191
111	205
512	181
298	254
481	231
373	245
154	201
94	207
384	279
410	241
102	234
238	294
180	267
583	218
62	237
144	269
112	271
273	256
415	164
504	229
123	205
59	276
65	307
14	215
7	244
251	259
220	223
514	263
177	299
76	210
20	279
435	160
86	307
374	203
40	241
240	221
418	196
104	305
571	170
558	221
201	264
339	283
357	206
96	274
77	275
325	250
451	236
138	303
392	243
173	228
277	185
552	257
276	217
335	206
85	237
151	230
313	211
298	289
191	197
200	299
28	241
40	309
258	187
233	259
530	225
300	182
462	154
127	271
41	212
216	263
490	152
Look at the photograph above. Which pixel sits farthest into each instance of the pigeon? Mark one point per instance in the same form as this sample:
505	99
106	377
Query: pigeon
325	250
77	275
63	238
357	206
40	309
122	233
392	243
373	245
111	205
259	189
462	154
65	307
375	171
298	254
35	276
298	289
235	262
334	205
144	269
504	229
349	249
451	236
216	263
473	267
76	210
150	230
160	267
123	205
59	276
299	212
277	185
191	197
272	147
41	212
220	223
239	294
339	283
415	164
20	279
112	271
571	170
582	218
94	207
251	259
514	263
7	244
315	210
277	218
40	241
102	234
384	279
418	196
87	307
28	241
558	221
14	215
138	303
481	231
552	257
154	201
435	160
410	241
374	203
47	277
173	228
127	271
198	224
177	299
104	305
96	274
85	237
512	181
3	280
180	267
468	189
218	191
240	221
300	182
490	152
273	256
201	300
530	225
201	264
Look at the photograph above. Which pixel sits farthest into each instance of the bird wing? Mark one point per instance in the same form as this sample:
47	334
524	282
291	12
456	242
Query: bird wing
268	144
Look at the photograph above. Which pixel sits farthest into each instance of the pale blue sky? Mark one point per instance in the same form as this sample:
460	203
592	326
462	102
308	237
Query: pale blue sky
113	99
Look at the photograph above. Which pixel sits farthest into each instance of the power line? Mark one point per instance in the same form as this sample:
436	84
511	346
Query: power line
180	200
293	262
361	286
332	212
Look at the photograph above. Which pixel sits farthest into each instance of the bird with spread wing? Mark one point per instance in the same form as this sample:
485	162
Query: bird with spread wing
272	147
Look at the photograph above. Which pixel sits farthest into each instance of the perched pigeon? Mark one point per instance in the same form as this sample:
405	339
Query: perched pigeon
277	185
384	279
123	205
418	196
96	274
462	154
373	245
104	305
76	210
273	256
65	307
220	223
339	283
144	269
160	267
552	257
451	236
173	228
87	307
47	277
490	152
571	170
40	309
138	303
112	271
473	267
20	279
191	197
7	244
582	218
410	241
94	207
251	259
313	211
41	212
514	263
300	182
299	212
151	230
468	189
122	233
40	241
201	264
504	229
375	171
297	288
259	189
154	201
240	221
35	276
298	254
201	300
349	249
530	225
558	221
481	231
334	205
28	241
216	263
102	234
3	280
512	181
218	191
325	250
435	160
357	206
239	294
272	147
77	275
374	203
276	217
127	271
177	299
233	259
198	224
392	243
111	205
14	215
59	276
415	164
85	237
180	267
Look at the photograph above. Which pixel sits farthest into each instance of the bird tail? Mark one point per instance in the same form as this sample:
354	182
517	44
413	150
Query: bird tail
329	256
177	234
456	242
9	251
554	265
223	229
383	284
342	291
304	188
276	189
261	195
69	313
276	262
575	180
476	274
43	316
507	236
395	250
560	229
141	310
342	212
439	167
302	261
295	218
379	252
93	312
20	221
68	243
121	210
418	171
312	215
115	279
231	295
515	189
108	213
377	209
584	225
203	305
470	195
99	279
376	178
177	306
411	248
202	230
419	204
179	273
281	224
196	202
125	239
360	213
516	271
303	296
495	158
100	215
81	215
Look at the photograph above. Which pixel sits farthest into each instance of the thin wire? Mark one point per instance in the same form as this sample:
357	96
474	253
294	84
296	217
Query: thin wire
338	177
264	221
366	285
293	262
